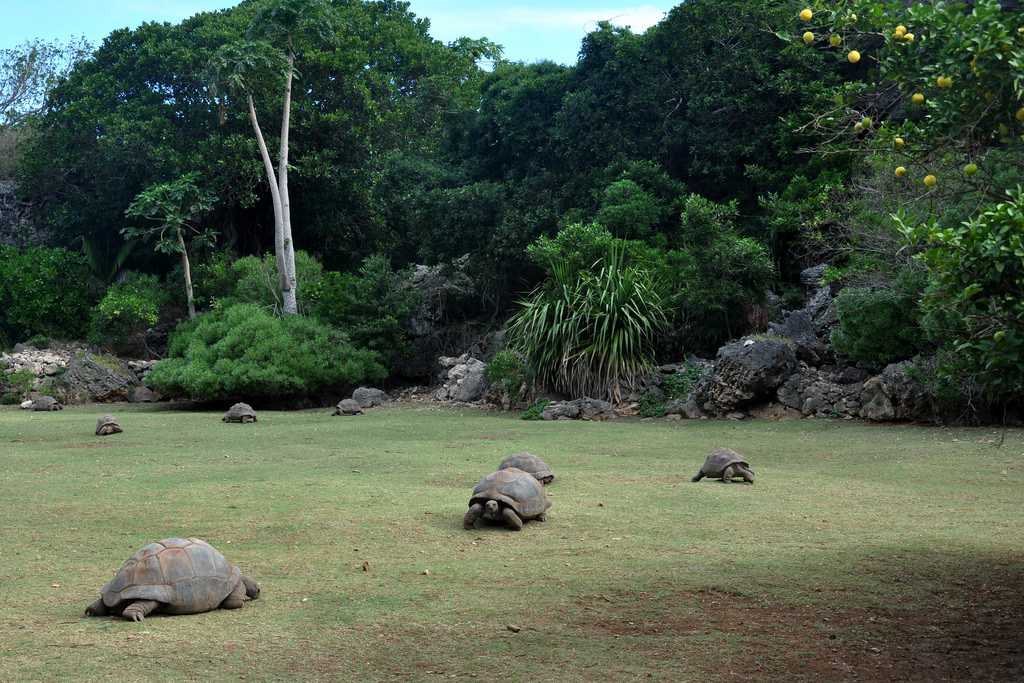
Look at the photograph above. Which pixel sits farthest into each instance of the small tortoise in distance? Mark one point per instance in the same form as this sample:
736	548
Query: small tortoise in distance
240	413
725	464
528	462
45	404
107	425
348	407
509	496
174	576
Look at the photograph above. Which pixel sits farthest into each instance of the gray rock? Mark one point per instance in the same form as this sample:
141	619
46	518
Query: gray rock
143	394
92	378
799	328
473	384
811	277
896	395
579	409
813	393
746	372
875	403
368	397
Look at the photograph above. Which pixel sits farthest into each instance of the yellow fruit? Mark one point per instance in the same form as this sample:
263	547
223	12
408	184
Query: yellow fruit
899	142
970	169
835	40
1020	114
930	180
808	37
853	56
866	122
944	82
858	128
901	30
807	14
909	37
917	98
900	171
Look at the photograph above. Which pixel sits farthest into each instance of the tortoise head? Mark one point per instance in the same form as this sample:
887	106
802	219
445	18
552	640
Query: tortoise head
252	589
492	507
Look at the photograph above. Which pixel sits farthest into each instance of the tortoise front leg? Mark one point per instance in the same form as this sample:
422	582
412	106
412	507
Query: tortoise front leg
698	476
473	514
512	519
747	475
139	610
236	599
728	474
97	609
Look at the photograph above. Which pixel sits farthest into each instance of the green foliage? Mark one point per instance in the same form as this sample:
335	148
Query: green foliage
15	386
172	211
536	410
591	333
975	300
628	211
244	351
507	372
126	311
678	385
223	282
651	406
877	326
44	291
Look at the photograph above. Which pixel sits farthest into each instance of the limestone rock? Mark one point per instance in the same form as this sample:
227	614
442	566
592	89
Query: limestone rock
368	397
579	409
746	372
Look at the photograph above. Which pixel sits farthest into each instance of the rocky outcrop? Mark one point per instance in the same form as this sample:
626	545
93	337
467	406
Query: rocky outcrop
368	397
895	395
16	229
97	378
746	372
579	409
816	393
465	380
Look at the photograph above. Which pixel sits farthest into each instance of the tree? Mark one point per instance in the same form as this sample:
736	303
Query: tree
175	208
278	28
30	70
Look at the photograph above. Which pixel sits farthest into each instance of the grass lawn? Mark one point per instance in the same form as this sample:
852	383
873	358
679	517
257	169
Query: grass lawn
863	552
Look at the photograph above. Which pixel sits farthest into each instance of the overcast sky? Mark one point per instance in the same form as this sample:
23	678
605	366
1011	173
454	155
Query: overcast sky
528	29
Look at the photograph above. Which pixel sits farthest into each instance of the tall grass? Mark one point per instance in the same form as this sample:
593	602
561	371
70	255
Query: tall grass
591	332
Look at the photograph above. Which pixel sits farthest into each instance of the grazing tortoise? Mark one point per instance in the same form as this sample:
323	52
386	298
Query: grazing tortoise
348	407
725	464
174	576
241	413
528	462
45	404
509	496
107	425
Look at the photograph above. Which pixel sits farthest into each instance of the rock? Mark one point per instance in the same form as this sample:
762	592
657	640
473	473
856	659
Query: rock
96	378
465	379
143	394
579	409
896	395
811	277
368	397
745	374
513	628
737	416
774	411
26	405
814	393
687	408
798	327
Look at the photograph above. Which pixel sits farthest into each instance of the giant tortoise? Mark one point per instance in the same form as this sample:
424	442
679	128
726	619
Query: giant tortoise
725	464
45	404
528	462
107	425
240	413
174	576
509	496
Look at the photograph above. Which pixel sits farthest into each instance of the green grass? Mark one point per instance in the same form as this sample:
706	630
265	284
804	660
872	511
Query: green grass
877	552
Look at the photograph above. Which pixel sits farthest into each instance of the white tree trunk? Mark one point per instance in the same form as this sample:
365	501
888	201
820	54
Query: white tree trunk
188	276
275	196
289	279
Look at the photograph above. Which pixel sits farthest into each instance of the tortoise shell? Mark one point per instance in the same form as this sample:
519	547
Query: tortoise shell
720	458
515	488
240	412
46	404
107	425
186	575
528	462
348	407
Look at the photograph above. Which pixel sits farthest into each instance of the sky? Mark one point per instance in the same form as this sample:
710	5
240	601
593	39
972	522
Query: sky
529	30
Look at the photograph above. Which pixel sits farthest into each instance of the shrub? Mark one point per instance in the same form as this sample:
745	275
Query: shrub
254	280
244	351
678	386
44	291
507	373
15	386
652	406
877	326
591	333
536	411
126	311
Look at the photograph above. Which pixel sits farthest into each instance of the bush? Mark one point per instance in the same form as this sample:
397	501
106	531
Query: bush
15	386
44	291
221	282
126	311
536	411
243	351
877	326
591	333
507	373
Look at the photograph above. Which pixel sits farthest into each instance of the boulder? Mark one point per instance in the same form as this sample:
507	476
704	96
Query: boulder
591	409
688	408
368	397
799	328
96	378
815	394
143	394
896	395
464	379
746	372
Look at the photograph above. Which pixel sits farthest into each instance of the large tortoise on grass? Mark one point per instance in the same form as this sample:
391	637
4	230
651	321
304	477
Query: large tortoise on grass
107	425
528	462
45	404
725	464
240	413
174	576
509	496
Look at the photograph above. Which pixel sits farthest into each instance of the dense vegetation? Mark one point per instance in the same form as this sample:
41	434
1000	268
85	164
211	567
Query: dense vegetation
684	173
